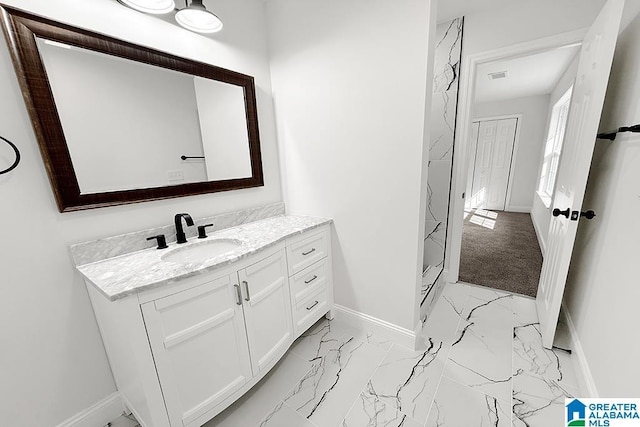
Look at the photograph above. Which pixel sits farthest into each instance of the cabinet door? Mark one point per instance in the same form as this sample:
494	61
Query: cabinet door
199	346
267	309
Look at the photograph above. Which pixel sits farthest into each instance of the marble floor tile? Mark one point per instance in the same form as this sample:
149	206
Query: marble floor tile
318	340
481	354
531	358
251	408
442	323
283	416
524	310
458	406
538	402
407	380
369	411
326	393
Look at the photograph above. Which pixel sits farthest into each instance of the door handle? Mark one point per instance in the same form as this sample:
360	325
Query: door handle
246	290
558	212
238	294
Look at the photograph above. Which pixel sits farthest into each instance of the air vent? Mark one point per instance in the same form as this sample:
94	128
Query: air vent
498	75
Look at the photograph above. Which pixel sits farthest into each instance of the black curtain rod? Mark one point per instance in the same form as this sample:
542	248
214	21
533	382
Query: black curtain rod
612	134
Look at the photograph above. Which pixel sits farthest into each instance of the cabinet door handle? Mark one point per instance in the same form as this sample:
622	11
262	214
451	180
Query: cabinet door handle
315	276
238	294
312	305
309	251
246	290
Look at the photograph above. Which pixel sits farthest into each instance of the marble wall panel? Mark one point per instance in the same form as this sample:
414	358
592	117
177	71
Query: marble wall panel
443	116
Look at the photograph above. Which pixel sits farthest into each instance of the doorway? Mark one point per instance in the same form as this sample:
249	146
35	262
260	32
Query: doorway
512	103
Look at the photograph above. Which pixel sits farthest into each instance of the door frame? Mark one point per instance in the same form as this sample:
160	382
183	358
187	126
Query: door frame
514	155
461	153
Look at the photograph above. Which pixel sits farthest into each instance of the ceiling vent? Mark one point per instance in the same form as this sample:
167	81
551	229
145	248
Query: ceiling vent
498	75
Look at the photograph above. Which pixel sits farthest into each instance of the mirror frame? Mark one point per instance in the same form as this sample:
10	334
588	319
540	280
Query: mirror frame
21	29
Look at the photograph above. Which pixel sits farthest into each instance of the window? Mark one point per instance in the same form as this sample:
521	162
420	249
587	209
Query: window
553	147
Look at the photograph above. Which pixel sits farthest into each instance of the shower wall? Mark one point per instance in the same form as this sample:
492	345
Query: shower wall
443	117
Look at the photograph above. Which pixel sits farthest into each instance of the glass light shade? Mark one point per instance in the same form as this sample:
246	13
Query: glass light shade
197	18
156	7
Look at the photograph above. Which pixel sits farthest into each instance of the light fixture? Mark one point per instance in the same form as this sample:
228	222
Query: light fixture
197	18
156	7
194	17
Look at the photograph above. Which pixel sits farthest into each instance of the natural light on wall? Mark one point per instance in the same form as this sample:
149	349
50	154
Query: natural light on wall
553	147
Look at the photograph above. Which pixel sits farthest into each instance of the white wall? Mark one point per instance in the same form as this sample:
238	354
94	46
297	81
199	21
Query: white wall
602	291
531	141
540	212
349	81
52	361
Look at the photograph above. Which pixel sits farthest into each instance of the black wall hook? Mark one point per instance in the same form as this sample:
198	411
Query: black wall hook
15	164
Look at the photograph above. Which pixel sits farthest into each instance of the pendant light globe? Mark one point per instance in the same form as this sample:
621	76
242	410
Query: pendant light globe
197	18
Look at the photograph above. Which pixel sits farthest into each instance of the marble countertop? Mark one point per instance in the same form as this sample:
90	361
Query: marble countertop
129	274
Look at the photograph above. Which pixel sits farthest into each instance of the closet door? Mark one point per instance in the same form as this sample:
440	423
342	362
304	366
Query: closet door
493	163
501	163
482	164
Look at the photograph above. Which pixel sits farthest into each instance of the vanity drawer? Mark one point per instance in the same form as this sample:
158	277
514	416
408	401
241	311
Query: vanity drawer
309	310
309	280
305	250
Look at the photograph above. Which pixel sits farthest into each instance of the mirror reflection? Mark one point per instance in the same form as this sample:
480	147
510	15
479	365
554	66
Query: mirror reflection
129	125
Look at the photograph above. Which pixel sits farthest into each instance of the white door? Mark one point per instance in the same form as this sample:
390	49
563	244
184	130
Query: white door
199	346
584	116
493	163
267	309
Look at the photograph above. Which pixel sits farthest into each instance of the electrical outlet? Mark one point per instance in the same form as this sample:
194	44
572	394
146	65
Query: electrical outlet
175	176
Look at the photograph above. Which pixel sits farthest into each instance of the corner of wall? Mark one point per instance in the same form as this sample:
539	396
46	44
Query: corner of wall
585	378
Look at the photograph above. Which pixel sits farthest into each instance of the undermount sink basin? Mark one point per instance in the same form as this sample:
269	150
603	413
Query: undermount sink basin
201	251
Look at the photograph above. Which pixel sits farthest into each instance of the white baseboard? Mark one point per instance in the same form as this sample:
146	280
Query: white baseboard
97	415
585	379
521	209
395	333
541	241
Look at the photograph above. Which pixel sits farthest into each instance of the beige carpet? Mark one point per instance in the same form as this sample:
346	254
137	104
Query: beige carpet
500	250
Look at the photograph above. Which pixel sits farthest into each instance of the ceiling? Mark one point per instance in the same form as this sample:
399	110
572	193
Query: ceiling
531	75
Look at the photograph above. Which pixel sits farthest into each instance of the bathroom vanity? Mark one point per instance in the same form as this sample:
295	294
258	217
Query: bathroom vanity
186	334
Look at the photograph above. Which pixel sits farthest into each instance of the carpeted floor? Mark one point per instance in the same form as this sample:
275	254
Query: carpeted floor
500	250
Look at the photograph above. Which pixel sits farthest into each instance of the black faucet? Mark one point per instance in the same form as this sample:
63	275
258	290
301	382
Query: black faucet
180	236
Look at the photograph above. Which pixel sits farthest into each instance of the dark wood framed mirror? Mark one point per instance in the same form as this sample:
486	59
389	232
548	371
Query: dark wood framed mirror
121	139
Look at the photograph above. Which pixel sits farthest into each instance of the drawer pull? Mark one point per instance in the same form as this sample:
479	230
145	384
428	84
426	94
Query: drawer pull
246	290
309	251
238	294
315	276
312	305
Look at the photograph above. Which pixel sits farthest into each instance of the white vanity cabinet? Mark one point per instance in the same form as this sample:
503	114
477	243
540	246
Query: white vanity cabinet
210	340
181	353
199	346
